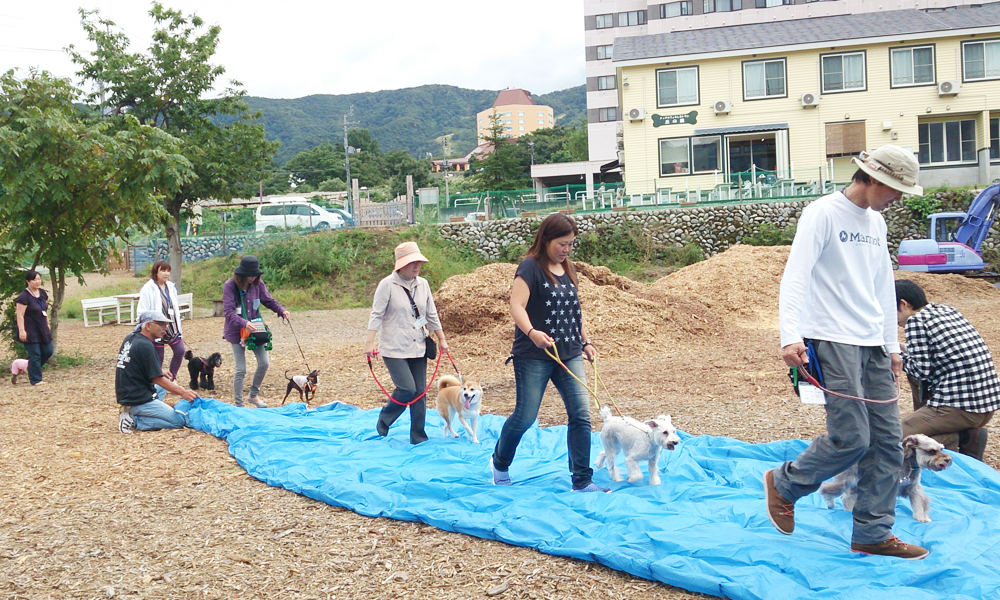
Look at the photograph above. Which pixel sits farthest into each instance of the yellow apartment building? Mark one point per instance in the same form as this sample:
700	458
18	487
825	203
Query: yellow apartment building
789	102
517	112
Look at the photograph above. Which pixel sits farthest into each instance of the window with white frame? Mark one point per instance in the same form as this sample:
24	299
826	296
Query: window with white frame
606	114
770	3
541	114
764	79
520	113
682	156
631	18
675	157
711	6
843	72
912	66
520	128
605	52
981	60
676	9
994	137
706	153
541	121
606	82
520	120
943	142
677	87
605	21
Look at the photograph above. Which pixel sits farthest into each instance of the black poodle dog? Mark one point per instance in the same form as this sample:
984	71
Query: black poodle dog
206	368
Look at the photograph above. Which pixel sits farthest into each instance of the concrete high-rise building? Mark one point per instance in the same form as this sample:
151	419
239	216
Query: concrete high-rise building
607	20
516	112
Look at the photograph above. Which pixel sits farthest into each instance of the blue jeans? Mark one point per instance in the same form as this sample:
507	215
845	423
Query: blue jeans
38	355
155	415
531	376
240	367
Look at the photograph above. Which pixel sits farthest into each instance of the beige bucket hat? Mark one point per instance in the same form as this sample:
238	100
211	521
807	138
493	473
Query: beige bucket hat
894	166
406	253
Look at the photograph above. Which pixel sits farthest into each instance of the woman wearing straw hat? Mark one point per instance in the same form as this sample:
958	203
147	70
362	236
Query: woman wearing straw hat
242	297
402	312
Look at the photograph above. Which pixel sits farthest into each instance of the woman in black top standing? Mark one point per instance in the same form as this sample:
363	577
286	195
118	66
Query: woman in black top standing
546	311
33	325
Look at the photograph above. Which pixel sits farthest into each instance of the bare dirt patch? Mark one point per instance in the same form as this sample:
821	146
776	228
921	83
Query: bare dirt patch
90	513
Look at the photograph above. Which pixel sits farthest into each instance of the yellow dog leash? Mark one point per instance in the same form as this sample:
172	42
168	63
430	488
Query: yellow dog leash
554	355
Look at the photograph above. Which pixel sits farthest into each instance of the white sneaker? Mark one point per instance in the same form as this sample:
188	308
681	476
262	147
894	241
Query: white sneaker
258	402
126	424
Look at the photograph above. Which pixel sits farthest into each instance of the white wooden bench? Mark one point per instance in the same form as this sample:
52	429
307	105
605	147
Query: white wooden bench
102	306
185	304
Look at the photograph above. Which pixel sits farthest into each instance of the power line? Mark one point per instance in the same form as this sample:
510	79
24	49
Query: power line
25	49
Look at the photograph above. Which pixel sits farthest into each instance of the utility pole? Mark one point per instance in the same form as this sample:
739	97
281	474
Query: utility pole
348	150
446	148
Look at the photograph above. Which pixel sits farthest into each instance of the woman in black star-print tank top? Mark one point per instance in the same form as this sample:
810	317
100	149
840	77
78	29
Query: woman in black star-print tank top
546	310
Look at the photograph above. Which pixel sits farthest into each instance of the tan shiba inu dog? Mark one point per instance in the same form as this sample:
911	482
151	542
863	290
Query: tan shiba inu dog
464	401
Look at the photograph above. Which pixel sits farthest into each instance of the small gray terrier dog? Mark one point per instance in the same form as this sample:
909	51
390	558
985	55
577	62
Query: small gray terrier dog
637	441
919	452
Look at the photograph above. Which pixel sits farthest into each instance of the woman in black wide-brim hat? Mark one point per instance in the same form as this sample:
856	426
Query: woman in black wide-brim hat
242	297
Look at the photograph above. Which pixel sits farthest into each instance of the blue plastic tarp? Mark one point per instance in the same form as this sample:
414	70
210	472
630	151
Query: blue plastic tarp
703	529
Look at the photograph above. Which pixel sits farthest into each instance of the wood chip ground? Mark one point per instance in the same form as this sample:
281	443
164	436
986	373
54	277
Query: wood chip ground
89	513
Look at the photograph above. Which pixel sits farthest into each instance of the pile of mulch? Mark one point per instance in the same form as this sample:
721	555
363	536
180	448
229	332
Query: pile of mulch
627	317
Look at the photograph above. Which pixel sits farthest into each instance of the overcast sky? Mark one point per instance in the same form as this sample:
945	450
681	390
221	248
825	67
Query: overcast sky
294	48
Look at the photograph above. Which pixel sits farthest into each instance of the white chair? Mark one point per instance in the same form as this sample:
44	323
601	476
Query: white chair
185	304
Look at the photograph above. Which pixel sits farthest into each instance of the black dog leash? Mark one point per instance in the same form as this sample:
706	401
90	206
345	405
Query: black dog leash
289	323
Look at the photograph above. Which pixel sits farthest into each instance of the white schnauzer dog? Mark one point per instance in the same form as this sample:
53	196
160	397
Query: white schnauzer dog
637	441
919	452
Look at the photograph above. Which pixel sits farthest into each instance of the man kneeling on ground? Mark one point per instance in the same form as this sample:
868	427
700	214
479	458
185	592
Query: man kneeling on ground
138	371
951	372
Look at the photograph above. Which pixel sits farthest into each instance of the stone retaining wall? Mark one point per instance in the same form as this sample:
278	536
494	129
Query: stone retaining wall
200	248
712	228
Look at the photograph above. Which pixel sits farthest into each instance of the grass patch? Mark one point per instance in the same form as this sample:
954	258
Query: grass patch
629	251
63	360
333	269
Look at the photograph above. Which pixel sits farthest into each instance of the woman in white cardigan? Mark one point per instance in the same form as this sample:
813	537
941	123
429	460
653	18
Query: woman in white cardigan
160	293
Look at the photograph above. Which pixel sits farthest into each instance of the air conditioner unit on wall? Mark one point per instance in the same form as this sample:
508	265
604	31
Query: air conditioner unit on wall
722	107
949	88
810	99
636	114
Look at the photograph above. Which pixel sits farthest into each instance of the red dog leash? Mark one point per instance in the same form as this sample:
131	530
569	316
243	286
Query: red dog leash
429	383
804	373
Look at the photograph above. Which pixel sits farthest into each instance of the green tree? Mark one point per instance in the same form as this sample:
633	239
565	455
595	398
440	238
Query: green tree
316	165
505	167
399	164
70	183
166	87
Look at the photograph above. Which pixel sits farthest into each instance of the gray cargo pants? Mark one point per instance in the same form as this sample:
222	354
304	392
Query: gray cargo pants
857	432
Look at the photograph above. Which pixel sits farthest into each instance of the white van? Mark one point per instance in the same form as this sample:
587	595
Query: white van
290	215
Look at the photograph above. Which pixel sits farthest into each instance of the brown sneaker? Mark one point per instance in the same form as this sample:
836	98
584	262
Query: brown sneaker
892	547
974	444
781	512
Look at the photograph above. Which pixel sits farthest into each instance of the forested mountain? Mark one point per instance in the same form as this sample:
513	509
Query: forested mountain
410	119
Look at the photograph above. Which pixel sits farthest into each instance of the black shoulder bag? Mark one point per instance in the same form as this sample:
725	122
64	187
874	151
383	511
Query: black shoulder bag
431	351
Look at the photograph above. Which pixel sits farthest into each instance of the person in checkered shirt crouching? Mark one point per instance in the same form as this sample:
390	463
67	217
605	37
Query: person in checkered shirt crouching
951	372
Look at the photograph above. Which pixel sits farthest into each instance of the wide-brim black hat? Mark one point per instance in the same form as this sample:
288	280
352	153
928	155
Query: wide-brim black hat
249	267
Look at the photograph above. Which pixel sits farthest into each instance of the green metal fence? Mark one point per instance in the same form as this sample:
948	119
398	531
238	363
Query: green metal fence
734	188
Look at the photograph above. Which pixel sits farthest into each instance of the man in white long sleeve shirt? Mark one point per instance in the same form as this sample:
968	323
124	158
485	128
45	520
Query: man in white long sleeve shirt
837	308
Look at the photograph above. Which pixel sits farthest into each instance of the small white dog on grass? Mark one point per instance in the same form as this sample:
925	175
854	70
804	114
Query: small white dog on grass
637	441
919	452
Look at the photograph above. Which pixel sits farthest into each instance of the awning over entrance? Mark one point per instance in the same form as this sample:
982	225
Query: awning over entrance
615	164
741	129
